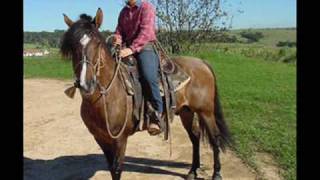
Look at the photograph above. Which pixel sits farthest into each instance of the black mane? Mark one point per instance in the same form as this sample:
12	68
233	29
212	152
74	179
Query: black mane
86	17
70	42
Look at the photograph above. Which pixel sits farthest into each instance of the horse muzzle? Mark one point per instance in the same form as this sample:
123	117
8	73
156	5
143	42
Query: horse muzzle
88	87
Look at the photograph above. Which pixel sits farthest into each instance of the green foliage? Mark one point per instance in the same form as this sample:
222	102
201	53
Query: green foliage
49	39
189	22
44	39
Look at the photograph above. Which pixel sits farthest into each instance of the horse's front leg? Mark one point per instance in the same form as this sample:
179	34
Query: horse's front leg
115	154
119	155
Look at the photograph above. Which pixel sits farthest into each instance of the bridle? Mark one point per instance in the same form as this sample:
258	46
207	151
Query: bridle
95	68
102	89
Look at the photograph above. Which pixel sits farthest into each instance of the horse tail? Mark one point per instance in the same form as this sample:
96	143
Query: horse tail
224	137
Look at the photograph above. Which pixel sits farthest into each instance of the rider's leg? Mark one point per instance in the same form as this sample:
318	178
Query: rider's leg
149	65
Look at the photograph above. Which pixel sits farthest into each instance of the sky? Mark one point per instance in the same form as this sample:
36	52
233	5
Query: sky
46	15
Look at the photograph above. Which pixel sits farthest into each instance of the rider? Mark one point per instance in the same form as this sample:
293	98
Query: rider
136	30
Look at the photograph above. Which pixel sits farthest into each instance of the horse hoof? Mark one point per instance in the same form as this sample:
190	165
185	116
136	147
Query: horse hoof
217	177
191	176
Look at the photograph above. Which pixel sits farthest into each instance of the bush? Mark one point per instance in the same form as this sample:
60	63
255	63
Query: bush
222	37
287	56
286	43
252	36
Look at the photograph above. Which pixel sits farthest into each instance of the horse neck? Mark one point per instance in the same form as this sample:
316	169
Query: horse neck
108	69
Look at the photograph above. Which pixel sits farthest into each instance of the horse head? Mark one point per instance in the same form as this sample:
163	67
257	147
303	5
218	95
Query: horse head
82	43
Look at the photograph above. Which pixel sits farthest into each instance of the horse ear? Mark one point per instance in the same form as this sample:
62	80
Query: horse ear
98	19
67	20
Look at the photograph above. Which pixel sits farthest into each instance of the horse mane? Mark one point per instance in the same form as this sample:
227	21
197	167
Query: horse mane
86	17
70	46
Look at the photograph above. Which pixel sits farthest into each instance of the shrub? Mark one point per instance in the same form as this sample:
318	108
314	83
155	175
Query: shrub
286	43
252	36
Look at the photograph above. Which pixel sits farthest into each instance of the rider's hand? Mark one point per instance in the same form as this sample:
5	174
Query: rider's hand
125	52
117	40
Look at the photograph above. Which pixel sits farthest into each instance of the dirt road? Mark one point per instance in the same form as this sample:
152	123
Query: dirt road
57	145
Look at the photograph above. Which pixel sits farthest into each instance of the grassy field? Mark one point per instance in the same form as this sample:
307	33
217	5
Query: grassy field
265	49
29	46
32	46
254	50
47	67
259	100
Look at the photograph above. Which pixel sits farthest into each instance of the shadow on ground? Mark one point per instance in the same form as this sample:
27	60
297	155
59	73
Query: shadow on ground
85	166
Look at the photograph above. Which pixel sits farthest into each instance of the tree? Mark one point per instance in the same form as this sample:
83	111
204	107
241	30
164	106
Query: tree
44	39
182	23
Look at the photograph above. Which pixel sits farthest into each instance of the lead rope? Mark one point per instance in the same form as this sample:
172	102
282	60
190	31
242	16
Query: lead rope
104	91
107	122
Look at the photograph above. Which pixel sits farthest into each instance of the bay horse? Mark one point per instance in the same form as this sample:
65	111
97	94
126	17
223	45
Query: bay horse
106	109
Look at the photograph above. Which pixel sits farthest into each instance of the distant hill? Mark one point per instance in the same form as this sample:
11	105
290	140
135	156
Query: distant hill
272	35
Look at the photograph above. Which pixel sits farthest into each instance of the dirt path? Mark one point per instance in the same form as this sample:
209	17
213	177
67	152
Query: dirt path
57	145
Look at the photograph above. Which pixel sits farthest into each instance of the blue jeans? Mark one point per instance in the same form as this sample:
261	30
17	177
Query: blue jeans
148	62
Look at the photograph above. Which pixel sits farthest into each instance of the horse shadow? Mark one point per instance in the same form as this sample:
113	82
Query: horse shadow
85	166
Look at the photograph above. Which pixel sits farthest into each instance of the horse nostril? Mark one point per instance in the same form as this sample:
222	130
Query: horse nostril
85	87
93	84
88	86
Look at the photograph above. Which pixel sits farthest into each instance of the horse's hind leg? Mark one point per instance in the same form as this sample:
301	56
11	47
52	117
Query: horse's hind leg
194	134
208	121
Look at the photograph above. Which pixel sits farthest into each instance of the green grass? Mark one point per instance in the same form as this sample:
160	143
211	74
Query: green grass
258	97
259	101
29	46
47	67
253	50
33	46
